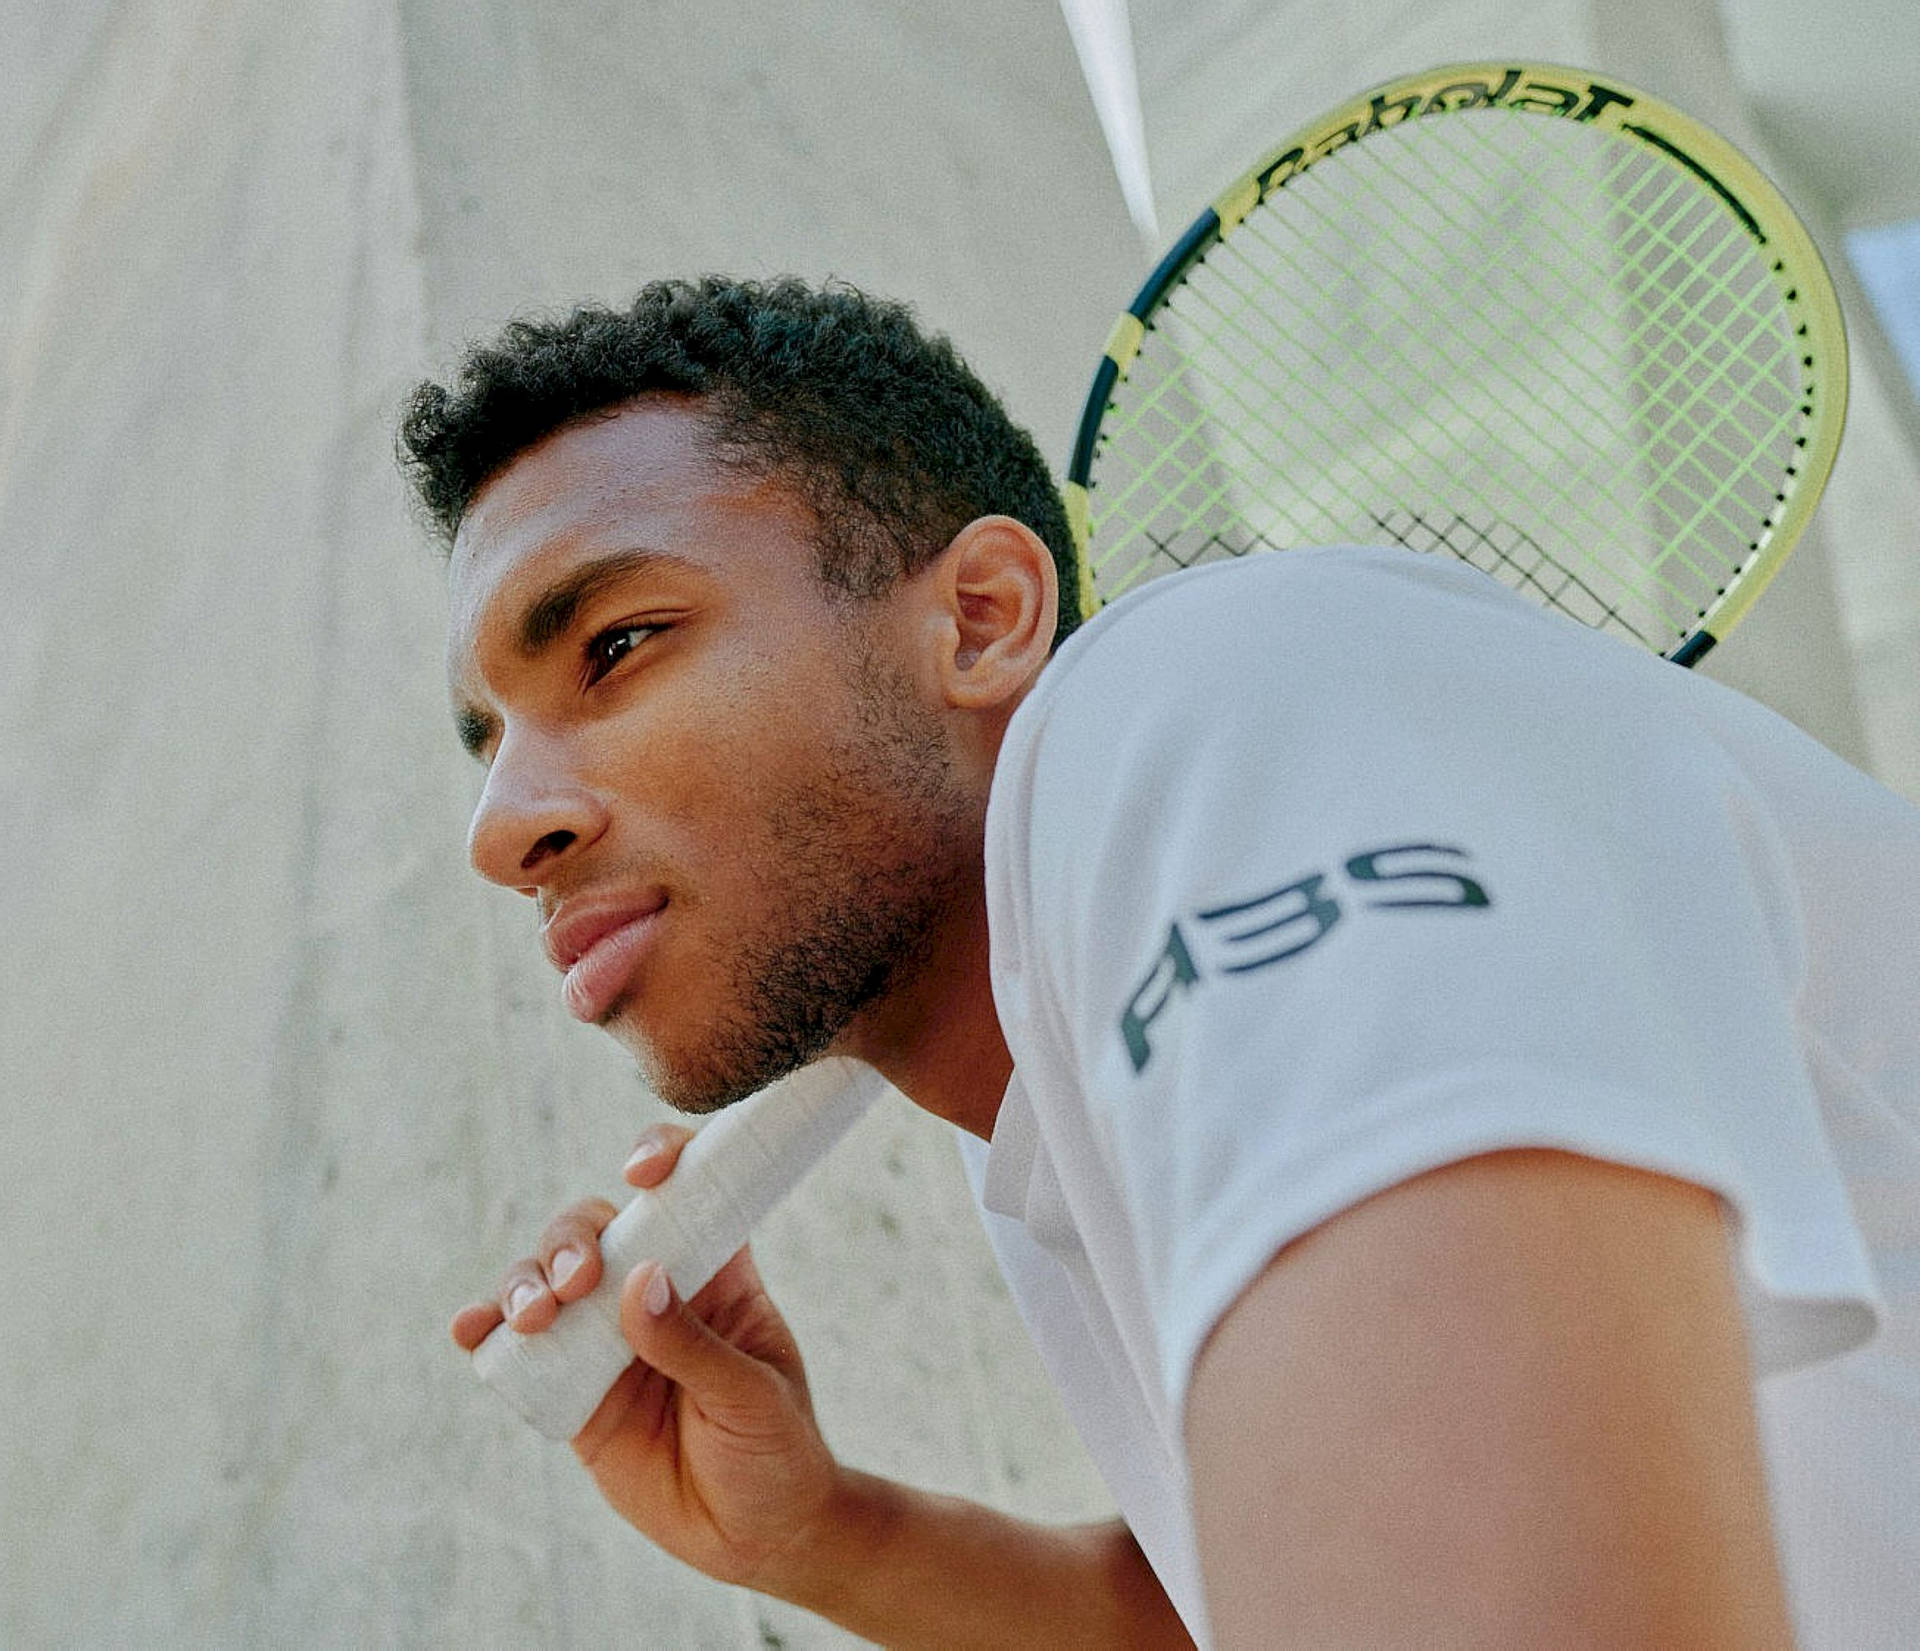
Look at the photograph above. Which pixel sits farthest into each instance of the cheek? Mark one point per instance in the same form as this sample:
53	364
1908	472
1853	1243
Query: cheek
769	725
706	777
715	754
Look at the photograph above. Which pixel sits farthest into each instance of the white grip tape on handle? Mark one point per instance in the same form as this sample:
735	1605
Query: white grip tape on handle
728	1177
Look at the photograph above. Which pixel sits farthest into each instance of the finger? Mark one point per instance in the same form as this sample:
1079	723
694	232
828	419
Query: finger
737	1280
655	1153
526	1301
735	1304
623	1399
569	1252
472	1325
667	1335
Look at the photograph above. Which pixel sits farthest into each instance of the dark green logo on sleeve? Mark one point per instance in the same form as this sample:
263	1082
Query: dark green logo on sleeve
1287	921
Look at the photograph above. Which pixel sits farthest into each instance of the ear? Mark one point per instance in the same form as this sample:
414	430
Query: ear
996	600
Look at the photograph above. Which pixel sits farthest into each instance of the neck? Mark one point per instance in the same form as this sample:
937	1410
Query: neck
936	1037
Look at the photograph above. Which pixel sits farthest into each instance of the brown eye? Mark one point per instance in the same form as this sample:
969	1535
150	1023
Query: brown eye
611	646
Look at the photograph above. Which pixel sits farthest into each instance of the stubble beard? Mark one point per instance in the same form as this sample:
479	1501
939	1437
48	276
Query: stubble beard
870	859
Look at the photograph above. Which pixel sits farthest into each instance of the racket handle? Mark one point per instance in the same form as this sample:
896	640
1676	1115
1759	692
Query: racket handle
731	1173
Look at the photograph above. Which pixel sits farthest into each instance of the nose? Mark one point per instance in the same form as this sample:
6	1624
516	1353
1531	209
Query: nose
534	814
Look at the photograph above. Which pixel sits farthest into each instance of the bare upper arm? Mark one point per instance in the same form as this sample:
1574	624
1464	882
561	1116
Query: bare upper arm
1504	1403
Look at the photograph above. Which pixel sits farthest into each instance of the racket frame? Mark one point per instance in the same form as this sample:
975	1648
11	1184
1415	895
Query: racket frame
1550	91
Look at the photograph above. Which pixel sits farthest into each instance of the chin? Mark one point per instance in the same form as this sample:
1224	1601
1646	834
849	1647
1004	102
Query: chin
704	1067
701	1084
697	1095
686	1084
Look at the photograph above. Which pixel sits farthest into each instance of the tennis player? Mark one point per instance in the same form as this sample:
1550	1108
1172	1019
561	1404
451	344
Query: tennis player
1443	1085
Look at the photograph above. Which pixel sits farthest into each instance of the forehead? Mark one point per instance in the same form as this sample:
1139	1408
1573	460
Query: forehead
645	479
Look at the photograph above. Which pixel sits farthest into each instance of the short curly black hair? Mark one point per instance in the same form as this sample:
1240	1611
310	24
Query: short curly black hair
884	432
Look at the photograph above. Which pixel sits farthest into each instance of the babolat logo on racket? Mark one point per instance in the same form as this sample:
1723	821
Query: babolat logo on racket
1285	922
1582	100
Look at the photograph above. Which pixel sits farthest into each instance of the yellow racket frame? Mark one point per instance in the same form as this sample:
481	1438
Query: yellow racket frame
1551	91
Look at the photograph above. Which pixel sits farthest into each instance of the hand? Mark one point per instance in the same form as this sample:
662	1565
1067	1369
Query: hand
707	1444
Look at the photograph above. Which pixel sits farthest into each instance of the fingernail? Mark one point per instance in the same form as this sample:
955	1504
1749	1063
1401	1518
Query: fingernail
659	1296
566	1263
645	1152
523	1297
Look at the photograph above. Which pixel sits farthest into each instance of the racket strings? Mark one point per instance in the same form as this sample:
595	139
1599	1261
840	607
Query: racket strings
1251	298
1611	372
1553	314
1687	311
1492	319
1419	373
1353	498
1706	286
1511	555
1298	385
1505	446
1647	221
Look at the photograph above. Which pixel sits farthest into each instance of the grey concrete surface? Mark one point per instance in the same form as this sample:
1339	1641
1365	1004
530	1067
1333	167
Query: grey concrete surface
1832	87
283	1084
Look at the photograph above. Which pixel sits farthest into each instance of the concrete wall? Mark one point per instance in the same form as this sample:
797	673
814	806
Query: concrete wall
283	1084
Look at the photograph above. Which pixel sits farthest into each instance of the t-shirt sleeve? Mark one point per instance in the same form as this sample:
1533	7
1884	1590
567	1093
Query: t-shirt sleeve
1309	904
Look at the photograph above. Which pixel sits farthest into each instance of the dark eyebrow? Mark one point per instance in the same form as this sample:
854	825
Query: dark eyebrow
551	614
552	611
474	727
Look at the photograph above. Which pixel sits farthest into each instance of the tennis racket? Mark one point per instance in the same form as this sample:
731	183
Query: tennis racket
1512	313
1532	319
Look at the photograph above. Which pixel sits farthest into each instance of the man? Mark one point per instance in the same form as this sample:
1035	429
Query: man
1442	1084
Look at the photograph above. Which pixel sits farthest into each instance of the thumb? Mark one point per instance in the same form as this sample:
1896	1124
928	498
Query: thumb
668	1335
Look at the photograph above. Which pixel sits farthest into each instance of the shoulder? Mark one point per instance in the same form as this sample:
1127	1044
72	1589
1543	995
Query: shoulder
1265	607
1292	639
1322	683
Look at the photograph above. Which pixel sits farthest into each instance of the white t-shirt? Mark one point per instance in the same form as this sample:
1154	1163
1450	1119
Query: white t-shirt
1314	871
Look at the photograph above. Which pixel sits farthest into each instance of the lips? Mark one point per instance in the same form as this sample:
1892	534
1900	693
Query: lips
598	947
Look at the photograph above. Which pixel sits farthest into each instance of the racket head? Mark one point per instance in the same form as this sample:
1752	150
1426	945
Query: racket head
1531	317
